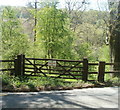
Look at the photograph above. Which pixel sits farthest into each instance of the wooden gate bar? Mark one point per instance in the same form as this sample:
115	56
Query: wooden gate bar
55	60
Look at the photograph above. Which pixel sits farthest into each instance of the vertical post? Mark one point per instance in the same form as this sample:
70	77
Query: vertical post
23	65
85	70
19	65
16	67
101	72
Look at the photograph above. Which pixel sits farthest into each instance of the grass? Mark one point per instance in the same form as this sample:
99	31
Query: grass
12	83
31	83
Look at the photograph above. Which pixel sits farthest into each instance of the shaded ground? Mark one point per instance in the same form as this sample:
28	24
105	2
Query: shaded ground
77	98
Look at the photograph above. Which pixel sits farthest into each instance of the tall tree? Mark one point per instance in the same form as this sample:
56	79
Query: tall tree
115	33
14	42
53	32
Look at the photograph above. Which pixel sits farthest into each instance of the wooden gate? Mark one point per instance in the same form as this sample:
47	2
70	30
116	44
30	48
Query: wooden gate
55	68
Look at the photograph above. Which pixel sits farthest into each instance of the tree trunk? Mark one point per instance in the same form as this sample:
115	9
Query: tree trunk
115	35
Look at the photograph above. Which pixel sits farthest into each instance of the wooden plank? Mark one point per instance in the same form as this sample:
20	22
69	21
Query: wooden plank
55	60
29	68
56	66
56	73
7	69
117	63
6	60
93	72
93	64
109	64
71	67
64	77
58	70
35	64
30	71
53	77
112	71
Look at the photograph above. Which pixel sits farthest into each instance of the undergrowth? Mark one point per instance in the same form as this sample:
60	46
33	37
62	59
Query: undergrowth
25	83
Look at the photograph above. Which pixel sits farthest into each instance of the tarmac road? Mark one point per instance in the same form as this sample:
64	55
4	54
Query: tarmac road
78	98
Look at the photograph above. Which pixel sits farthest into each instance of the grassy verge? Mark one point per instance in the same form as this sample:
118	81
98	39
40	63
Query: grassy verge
26	84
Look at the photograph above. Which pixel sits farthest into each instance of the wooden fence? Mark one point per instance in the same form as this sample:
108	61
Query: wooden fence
57	68
11	68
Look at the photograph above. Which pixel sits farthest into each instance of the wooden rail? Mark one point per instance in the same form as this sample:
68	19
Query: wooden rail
7	69
55	60
10	69
6	60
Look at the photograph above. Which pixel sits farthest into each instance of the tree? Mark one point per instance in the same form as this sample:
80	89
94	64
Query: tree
115	33
14	42
75	10
53	32
89	34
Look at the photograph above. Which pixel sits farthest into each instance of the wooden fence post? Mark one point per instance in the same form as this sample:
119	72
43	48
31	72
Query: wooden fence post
19	65
23	65
101	72
85	70
16	67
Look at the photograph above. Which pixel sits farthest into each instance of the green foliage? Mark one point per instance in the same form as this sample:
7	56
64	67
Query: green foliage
14	42
54	37
31	82
12	83
81	50
53	33
106	56
91	34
